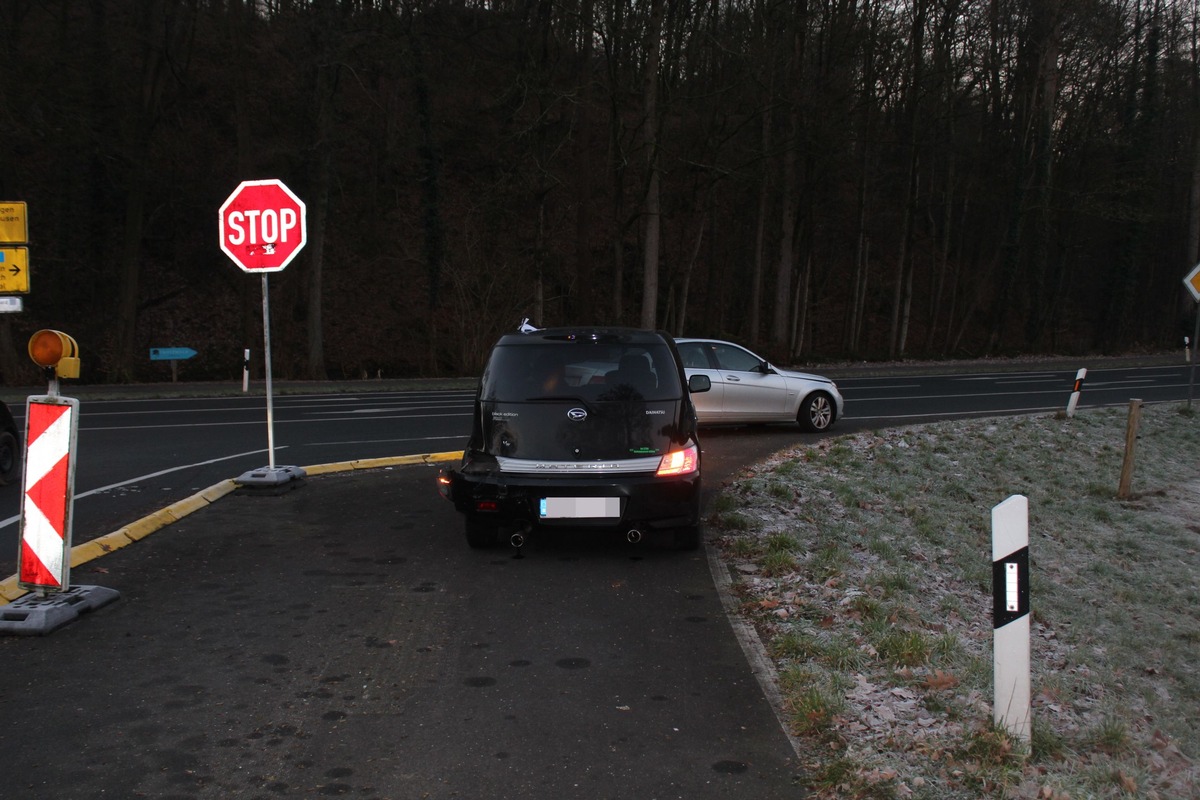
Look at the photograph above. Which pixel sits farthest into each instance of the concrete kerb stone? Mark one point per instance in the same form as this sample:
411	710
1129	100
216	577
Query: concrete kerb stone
136	531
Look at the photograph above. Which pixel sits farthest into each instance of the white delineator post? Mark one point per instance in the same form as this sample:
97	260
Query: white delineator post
1010	617
1074	401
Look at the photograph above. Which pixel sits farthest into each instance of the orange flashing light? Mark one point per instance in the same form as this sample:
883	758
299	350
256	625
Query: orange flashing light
57	350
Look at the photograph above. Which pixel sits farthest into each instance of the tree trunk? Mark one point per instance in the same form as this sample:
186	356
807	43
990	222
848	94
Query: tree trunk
651	209
787	238
902	300
585	139
800	310
862	261
249	291
756	277
687	276
430	169
164	29
902	287
326	88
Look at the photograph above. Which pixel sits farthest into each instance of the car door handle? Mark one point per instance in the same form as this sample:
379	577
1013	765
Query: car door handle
733	378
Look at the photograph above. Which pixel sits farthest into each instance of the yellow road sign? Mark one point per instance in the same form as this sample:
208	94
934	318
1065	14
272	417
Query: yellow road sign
14	270
1193	282
14	222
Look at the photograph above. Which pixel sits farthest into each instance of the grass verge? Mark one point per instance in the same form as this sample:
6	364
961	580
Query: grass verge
865	564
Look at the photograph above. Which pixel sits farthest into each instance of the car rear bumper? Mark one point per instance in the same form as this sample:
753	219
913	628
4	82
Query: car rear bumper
645	502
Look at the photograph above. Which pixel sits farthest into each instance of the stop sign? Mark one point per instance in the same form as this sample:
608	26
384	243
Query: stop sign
263	226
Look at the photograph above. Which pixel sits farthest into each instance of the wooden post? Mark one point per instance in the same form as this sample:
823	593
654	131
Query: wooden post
1131	434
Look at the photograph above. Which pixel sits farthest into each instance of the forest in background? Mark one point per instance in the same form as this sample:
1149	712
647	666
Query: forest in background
819	179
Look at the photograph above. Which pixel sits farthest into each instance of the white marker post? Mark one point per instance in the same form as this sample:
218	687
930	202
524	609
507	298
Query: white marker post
1010	617
1074	401
246	370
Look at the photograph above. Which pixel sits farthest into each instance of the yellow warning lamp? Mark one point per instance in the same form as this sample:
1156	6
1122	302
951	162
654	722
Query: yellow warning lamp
55	350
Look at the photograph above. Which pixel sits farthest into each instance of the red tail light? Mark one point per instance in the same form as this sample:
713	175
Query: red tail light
679	462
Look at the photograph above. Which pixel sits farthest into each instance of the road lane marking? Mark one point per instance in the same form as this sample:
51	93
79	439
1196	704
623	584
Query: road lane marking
84	427
11	520
169	470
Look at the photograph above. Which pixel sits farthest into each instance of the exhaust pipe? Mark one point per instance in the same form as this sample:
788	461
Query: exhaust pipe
634	536
517	540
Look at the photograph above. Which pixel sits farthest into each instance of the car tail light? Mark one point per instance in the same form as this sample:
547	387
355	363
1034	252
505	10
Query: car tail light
679	462
487	505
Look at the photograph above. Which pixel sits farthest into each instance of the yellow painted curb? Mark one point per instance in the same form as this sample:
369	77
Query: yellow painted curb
140	529
9	590
377	463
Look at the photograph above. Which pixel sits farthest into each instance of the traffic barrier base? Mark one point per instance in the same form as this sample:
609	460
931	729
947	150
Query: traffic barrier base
271	477
37	615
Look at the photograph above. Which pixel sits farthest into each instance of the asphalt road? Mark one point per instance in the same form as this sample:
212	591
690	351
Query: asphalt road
342	639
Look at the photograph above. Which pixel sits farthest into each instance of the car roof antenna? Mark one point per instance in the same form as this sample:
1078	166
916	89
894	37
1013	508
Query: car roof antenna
525	327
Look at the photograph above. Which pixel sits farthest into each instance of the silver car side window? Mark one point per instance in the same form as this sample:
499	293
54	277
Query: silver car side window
693	356
735	358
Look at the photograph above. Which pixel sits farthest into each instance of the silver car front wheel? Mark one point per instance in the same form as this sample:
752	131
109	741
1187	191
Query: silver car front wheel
816	413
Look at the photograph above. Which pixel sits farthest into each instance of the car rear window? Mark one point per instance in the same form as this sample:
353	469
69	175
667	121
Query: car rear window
582	370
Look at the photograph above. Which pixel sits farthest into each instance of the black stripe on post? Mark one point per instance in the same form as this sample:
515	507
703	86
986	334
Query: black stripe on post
1010	602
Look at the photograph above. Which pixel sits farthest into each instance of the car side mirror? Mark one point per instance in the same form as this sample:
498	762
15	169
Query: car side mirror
699	383
766	369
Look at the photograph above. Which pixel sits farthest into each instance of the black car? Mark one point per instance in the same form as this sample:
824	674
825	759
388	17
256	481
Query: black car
581	428
10	446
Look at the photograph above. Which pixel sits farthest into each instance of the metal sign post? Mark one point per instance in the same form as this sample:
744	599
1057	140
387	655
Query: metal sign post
266	292
262	228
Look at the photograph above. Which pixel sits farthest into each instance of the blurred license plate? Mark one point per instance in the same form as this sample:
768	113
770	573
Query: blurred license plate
580	507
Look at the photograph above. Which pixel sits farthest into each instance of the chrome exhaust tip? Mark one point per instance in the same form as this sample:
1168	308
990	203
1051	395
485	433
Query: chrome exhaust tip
634	536
517	540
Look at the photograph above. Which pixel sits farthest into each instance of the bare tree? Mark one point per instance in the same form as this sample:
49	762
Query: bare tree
651	207
164	35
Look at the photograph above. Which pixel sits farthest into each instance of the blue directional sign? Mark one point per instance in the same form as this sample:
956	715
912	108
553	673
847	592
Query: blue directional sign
171	353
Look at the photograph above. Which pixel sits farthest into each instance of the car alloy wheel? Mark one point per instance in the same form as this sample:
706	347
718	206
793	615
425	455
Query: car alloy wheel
816	412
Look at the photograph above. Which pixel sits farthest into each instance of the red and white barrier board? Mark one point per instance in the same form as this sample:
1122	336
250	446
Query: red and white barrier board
50	430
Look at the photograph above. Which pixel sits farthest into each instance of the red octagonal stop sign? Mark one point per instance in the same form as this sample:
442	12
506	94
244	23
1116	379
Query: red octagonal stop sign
263	226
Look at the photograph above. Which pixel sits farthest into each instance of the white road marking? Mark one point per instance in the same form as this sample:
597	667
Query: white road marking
11	520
